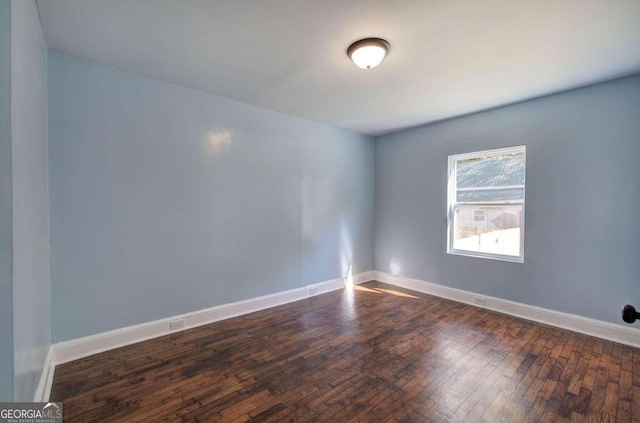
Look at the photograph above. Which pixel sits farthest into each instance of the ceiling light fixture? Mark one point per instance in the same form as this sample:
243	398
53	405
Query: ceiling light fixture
368	53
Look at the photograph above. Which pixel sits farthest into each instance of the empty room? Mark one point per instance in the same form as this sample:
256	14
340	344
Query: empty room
310	211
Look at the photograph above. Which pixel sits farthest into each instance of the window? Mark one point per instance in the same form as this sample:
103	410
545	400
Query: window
486	204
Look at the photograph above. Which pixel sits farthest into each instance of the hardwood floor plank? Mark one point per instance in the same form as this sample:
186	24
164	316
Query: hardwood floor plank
371	353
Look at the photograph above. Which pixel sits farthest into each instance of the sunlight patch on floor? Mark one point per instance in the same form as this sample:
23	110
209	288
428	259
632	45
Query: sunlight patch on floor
384	291
362	288
396	293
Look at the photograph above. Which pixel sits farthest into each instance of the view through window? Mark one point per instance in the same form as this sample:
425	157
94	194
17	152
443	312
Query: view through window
486	203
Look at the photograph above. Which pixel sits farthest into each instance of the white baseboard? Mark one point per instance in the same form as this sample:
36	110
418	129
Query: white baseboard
75	349
46	379
605	330
363	277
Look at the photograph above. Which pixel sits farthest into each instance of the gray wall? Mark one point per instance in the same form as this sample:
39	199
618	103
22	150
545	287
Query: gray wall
166	200
6	227
31	271
582	201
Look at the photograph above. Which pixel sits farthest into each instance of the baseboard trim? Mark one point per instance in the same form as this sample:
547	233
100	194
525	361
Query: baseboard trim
75	349
46	379
363	277
572	322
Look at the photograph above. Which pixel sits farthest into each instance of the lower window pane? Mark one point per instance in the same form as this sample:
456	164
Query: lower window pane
488	229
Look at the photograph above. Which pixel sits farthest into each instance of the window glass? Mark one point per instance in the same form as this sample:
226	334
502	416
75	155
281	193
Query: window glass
486	204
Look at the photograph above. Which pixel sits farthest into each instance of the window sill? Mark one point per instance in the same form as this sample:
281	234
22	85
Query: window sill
511	259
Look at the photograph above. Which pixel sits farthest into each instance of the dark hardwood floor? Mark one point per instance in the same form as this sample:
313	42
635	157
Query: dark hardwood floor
375	353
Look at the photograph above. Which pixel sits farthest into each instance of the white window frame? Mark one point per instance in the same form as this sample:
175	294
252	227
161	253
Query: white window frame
452	203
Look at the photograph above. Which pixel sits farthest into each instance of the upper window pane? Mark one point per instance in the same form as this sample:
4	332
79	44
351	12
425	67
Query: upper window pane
492	171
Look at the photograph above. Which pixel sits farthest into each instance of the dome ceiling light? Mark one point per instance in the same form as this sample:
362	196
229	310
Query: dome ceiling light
369	52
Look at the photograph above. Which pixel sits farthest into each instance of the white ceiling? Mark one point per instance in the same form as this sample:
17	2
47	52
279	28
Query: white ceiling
448	57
